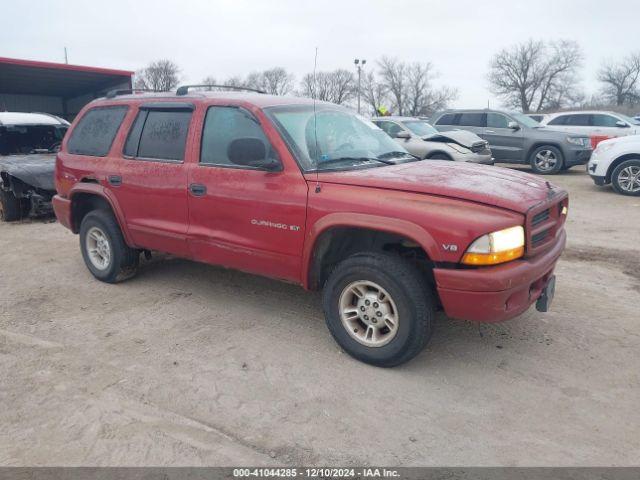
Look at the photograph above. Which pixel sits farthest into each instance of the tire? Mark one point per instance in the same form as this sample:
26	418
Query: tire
440	156
100	230
546	160
623	177
408	304
12	208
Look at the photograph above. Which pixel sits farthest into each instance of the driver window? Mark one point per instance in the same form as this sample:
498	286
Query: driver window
223	125
497	120
390	128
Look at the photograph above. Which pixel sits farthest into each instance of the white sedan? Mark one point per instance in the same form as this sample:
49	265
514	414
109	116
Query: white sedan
617	161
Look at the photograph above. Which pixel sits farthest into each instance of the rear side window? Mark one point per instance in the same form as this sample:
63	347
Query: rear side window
446	119
561	120
159	134
94	133
582	120
223	125
472	120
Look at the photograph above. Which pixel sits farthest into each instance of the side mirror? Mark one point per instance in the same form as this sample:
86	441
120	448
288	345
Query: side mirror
251	152
402	134
621	124
514	125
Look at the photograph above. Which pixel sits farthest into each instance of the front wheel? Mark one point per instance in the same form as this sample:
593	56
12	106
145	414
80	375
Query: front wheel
378	308
104	250
11	207
546	160
626	178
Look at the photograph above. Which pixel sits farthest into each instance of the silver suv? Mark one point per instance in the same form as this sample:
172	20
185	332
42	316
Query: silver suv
516	138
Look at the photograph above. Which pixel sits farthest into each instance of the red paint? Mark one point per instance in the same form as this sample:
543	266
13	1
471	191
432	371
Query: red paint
596	139
431	203
65	66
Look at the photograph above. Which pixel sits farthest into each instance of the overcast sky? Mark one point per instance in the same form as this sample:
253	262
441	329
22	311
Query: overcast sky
233	37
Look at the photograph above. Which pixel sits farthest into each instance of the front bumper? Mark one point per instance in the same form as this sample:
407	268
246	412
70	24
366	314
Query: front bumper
598	180
479	159
62	209
495	294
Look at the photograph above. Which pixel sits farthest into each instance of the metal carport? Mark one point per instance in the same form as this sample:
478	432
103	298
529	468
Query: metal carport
56	88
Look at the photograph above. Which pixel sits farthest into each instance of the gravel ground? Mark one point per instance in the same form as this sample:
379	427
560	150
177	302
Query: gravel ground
189	364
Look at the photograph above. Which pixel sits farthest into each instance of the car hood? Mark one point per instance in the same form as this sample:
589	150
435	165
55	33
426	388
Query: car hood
622	141
494	186
35	170
550	133
461	137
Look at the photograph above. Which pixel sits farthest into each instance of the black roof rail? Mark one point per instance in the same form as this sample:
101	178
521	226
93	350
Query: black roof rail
184	89
127	91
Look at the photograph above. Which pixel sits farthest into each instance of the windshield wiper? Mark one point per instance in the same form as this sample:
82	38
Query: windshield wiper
395	154
355	159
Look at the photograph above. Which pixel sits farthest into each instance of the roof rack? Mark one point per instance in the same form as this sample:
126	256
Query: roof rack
127	91
184	89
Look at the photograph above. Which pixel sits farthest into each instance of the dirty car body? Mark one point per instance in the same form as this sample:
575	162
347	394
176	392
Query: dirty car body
315	195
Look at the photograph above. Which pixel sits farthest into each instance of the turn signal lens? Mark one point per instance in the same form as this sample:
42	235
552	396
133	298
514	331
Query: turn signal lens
497	247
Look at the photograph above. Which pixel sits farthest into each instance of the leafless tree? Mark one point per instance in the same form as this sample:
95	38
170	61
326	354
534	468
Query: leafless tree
410	89
276	81
534	74
373	92
161	75
337	86
621	80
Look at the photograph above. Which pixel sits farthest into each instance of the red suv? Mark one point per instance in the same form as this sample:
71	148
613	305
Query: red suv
312	194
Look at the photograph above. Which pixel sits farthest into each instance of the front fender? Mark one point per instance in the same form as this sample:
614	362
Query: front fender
396	226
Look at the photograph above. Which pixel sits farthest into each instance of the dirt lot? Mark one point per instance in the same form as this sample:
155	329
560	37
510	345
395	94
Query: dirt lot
189	364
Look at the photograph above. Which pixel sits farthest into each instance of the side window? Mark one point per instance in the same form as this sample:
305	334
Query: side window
472	120
446	119
581	120
224	125
561	120
159	134
96	130
390	128
497	120
600	120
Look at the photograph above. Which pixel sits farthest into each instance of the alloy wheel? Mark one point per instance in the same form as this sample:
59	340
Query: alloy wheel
98	248
629	179
546	160
368	313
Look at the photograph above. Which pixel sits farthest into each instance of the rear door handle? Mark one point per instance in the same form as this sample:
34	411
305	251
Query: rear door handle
489	131
115	180
197	189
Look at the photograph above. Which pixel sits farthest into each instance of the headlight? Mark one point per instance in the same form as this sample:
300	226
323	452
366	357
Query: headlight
497	247
581	141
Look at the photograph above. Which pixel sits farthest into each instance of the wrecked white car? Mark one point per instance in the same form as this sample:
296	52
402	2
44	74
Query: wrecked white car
28	146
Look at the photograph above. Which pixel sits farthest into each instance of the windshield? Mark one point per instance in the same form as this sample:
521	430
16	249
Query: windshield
629	120
26	139
524	120
420	128
337	139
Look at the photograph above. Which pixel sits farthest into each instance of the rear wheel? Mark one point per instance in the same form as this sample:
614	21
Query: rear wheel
104	250
626	178
546	160
12	208
378	308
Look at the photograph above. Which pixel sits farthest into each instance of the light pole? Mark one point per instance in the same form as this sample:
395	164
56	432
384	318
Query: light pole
359	66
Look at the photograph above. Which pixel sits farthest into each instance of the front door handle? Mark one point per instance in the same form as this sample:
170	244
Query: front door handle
115	180
197	189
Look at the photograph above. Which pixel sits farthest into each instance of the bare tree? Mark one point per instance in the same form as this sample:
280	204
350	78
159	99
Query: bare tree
276	81
373	92
161	75
533	74
621	80
337	86
410	89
